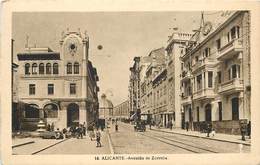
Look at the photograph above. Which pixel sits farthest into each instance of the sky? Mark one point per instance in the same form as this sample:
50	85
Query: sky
123	36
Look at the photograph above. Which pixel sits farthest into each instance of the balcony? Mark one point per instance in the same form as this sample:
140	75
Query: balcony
232	86
229	50
202	94
185	100
202	63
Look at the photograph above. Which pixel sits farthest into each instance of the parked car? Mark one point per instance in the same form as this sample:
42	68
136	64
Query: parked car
140	126
51	135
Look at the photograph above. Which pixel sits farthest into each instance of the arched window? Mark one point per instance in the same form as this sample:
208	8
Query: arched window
34	68
41	68
32	111
76	68
55	68
27	68
51	110
48	68
69	68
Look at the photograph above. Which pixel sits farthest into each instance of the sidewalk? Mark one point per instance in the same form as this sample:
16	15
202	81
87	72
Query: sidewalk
28	146
17	142
218	136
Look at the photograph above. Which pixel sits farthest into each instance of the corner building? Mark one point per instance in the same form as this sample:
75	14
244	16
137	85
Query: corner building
216	75
60	87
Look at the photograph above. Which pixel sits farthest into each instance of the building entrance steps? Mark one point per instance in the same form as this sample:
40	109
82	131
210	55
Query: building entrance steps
218	136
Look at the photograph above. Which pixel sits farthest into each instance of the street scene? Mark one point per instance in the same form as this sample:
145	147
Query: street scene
131	83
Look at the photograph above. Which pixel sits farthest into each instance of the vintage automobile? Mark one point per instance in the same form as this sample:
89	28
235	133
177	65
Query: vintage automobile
51	135
140	126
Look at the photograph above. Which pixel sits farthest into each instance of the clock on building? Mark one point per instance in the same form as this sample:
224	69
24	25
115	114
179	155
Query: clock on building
72	45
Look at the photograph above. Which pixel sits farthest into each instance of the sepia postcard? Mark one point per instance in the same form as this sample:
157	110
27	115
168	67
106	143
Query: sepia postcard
138	82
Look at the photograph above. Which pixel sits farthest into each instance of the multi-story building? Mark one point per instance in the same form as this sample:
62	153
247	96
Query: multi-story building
105	108
155	67
60	87
134	87
121	111
175	48
216	79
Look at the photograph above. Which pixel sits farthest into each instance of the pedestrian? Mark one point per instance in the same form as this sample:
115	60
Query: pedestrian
208	129
84	129
91	131
170	124
249	129
243	130
187	126
116	127
213	132
48	127
98	138
80	132
52	126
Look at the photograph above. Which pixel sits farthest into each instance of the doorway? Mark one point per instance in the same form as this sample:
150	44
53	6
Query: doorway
72	115
208	112
235	108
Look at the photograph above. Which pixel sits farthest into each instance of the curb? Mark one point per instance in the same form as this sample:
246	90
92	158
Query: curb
49	146
18	145
110	143
203	137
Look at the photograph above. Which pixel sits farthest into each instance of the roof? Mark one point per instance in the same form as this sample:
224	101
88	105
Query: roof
38	56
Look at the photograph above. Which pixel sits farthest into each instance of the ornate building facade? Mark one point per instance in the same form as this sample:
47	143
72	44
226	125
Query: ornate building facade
60	87
216	84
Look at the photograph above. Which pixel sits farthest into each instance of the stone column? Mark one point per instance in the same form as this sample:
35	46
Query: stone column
62	118
82	113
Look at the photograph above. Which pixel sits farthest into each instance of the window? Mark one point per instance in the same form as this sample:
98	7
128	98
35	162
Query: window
234	72
31	89
228	37
76	68
198	114
72	88
234	32
210	79
69	68
220	110
55	68
27	69
199	83
218	42
51	110
219	77
34	68
50	89
197	58
41	68
48	68
206	52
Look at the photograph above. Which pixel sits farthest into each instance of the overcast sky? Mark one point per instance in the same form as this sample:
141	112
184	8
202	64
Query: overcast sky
123	36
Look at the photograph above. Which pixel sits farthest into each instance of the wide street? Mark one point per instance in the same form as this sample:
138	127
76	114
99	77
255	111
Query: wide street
128	141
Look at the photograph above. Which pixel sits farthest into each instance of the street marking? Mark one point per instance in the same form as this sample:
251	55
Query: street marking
110	142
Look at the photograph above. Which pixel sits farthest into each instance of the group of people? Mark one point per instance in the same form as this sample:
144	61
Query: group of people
78	132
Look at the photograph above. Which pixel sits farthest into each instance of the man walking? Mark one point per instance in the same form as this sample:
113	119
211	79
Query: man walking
98	138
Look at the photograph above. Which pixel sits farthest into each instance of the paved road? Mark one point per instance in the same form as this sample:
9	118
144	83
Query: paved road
127	141
80	146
